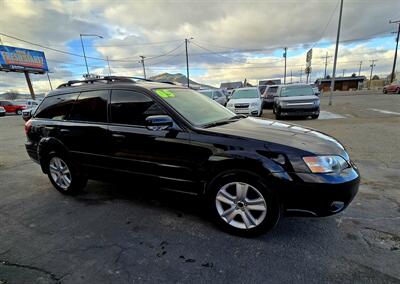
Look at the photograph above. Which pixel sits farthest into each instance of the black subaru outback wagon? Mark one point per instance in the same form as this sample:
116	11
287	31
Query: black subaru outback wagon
249	171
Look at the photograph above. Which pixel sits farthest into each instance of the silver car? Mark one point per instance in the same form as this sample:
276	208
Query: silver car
215	95
296	100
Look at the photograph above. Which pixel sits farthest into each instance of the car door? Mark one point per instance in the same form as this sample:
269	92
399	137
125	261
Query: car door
85	130
162	154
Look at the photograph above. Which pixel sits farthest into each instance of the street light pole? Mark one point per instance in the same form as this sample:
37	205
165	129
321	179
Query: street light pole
336	53
83	48
284	74
84	55
359	69
187	61
395	52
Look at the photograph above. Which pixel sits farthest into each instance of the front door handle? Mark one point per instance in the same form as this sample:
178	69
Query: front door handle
63	130
49	127
118	136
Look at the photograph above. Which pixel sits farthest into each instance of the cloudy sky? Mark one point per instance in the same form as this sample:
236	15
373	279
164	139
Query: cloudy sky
232	40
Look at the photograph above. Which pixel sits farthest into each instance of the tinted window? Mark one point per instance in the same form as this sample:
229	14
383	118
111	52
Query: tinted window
129	107
206	93
90	106
56	107
217	94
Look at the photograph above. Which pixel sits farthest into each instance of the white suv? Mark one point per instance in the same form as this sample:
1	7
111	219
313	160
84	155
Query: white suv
246	101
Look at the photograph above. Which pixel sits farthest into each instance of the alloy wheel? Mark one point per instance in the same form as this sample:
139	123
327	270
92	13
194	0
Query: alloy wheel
60	172
241	205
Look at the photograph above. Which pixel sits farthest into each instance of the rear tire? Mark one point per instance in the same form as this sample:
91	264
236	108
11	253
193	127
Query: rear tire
315	116
398	91
63	175
241	203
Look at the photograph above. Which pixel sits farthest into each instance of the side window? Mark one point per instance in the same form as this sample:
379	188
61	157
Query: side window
56	107
90	106
130	107
217	94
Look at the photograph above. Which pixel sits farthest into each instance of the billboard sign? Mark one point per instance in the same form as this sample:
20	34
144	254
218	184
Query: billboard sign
15	59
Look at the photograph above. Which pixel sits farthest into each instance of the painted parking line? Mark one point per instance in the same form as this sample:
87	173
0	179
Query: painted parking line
384	111
329	115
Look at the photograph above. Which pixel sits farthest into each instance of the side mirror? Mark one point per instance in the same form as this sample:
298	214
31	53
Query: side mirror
159	122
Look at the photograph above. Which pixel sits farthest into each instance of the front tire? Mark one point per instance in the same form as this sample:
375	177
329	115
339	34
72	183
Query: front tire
315	116
19	112
241	204
384	91
62	174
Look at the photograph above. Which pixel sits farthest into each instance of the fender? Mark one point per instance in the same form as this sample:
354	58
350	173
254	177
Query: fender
46	146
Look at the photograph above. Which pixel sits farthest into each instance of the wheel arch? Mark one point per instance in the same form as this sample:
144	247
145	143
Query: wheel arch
46	147
251	163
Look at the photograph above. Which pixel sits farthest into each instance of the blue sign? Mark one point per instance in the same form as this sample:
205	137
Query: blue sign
21	59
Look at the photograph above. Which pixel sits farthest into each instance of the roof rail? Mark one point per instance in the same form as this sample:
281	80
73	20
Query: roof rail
108	79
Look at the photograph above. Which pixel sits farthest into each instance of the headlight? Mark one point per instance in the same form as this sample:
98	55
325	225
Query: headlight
254	104
326	164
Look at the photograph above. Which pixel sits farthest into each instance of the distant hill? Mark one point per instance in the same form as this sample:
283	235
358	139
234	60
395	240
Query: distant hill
180	79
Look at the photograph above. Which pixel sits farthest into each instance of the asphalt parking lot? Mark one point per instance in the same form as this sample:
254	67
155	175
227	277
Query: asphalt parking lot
129	232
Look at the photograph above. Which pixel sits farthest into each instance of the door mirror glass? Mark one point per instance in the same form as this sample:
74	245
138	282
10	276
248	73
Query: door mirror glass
159	122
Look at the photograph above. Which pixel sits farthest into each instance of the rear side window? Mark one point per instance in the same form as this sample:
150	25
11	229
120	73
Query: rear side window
130	107
56	107
90	106
272	89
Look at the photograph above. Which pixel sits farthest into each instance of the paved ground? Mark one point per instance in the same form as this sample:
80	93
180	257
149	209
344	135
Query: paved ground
118	235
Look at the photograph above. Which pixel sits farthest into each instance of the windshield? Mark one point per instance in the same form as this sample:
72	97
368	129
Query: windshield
206	93
245	94
272	89
292	91
195	107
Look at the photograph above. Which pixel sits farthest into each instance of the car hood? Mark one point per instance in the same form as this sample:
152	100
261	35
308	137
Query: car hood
244	101
298	98
277	134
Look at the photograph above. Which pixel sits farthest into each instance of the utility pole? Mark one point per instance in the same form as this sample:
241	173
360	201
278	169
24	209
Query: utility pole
142	61
187	60
343	72
395	52
291	77
336	53
372	70
326	62
301	73
109	69
284	74
359	69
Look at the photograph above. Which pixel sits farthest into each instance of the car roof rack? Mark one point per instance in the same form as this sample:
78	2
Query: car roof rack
109	79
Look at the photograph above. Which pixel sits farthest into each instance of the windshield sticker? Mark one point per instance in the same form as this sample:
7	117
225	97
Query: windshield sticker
165	93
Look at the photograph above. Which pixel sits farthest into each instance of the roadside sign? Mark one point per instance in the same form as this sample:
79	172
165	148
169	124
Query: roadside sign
15	59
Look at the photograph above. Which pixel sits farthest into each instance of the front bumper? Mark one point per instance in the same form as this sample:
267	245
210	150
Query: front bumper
299	111
254	111
318	194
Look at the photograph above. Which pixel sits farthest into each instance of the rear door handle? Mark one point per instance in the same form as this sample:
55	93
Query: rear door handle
65	130
118	136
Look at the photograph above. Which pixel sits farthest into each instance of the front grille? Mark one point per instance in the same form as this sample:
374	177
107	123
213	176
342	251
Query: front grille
241	105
